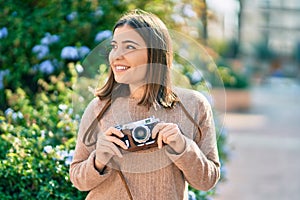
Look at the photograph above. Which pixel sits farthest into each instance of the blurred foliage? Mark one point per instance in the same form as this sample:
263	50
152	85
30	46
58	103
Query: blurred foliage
37	140
226	49
263	51
232	77
297	52
42	48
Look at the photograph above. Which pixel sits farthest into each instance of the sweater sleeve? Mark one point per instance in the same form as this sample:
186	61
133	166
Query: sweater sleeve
199	162
83	173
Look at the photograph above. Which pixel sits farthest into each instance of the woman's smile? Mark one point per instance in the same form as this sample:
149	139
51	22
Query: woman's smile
128	57
121	68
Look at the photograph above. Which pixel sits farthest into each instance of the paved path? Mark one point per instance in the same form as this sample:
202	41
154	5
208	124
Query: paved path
265	143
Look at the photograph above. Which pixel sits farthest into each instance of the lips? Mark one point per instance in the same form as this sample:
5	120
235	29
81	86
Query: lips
120	68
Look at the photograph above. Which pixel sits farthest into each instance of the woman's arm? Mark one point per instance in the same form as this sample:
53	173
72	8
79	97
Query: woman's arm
199	161
83	172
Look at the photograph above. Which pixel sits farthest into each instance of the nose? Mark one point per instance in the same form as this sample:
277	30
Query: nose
116	54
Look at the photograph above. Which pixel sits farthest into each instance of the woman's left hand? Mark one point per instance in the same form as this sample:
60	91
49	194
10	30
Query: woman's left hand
169	133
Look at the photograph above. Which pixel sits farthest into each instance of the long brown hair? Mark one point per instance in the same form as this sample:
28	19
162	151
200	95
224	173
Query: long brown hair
159	49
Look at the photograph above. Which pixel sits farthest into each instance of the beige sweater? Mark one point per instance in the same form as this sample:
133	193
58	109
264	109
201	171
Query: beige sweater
150	174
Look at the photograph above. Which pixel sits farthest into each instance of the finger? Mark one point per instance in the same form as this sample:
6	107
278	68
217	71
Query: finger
110	148
159	140
170	137
166	137
117	141
113	131
157	129
168	128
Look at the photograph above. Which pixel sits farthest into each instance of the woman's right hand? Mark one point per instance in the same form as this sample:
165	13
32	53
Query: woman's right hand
106	147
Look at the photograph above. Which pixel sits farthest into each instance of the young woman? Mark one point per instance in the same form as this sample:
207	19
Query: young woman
181	148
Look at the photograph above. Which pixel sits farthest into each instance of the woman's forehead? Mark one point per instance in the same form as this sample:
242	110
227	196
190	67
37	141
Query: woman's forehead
126	32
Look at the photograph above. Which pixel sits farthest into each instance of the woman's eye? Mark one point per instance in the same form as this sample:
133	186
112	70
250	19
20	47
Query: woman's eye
130	47
113	46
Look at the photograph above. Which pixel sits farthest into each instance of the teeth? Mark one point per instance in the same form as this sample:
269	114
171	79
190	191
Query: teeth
121	67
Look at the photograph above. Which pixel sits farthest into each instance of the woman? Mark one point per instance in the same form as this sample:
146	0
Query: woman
139	86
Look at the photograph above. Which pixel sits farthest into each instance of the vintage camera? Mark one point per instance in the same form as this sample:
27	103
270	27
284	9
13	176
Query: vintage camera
137	135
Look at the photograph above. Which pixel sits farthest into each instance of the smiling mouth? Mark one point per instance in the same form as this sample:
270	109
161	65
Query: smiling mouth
120	68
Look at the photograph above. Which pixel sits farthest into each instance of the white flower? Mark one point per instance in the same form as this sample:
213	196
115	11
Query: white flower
177	19
72	16
3	32
63	107
43	133
14	116
20	115
62	154
79	68
68	160
102	35
41	51
49	39
188	11
77	117
69	53
70	111
48	149
196	76
192	195
99	12
9	111
46	67
69	157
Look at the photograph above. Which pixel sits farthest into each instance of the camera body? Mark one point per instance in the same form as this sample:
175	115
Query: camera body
137	135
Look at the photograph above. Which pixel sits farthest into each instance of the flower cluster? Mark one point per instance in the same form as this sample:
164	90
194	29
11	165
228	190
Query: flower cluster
3	32
182	13
102	35
14	115
42	50
72	53
59	154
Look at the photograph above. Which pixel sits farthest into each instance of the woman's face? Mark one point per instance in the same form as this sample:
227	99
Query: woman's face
128	57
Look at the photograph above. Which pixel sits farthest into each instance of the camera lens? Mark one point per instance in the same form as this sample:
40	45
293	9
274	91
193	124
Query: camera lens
141	134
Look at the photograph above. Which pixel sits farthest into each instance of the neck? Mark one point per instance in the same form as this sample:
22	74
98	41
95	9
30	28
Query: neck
136	92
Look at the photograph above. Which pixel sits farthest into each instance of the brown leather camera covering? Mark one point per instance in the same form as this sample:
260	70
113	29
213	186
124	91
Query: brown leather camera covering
133	147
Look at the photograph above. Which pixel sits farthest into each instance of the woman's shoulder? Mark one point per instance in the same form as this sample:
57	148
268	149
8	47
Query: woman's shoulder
90	114
93	108
189	95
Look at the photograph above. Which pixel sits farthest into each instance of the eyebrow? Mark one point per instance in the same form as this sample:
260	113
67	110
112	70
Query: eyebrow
127	41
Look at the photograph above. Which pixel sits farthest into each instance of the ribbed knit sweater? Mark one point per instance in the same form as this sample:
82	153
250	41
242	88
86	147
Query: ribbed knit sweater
152	174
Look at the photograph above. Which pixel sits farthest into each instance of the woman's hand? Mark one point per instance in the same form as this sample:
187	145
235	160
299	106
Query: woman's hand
170	134
106	147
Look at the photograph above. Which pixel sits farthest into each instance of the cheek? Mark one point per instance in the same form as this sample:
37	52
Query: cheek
141	59
109	57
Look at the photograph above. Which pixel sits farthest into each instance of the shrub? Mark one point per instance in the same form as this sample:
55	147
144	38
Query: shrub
37	141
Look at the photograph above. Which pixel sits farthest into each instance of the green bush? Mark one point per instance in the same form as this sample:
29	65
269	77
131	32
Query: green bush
38	32
37	142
